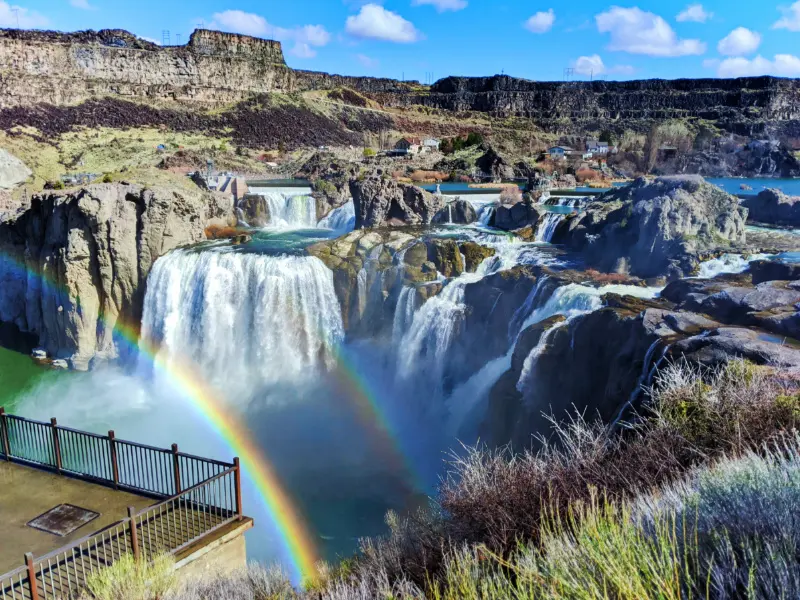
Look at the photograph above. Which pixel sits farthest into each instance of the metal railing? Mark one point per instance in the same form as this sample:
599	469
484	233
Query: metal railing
103	459
199	496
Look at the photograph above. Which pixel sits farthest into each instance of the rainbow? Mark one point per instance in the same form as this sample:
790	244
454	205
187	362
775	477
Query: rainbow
294	534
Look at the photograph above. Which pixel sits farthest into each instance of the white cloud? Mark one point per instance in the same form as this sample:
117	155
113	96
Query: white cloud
305	38
739	42
593	66
694	13
541	22
82	4
782	65
366	61
639	32
374	22
442	5
16	16
790	19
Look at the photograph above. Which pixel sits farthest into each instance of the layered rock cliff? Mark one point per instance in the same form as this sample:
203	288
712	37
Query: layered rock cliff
73	265
214	68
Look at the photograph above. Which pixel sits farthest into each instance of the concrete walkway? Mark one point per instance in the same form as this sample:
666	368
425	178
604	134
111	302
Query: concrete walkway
26	493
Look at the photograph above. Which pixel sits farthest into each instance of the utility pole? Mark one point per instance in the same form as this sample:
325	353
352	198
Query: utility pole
165	41
177	39
15	10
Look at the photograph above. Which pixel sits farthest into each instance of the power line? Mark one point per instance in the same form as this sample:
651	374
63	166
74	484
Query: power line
15	10
165	41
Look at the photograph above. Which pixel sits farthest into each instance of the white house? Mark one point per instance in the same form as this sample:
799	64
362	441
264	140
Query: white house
407	145
431	144
596	147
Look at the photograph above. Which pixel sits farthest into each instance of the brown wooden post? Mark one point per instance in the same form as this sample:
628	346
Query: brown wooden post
33	586
56	445
237	476
112	444
176	469
134	533
4	434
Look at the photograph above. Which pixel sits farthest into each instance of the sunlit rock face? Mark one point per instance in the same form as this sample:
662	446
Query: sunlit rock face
76	262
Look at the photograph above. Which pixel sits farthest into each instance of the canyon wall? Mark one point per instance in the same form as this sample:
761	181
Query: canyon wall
217	68
214	68
740	103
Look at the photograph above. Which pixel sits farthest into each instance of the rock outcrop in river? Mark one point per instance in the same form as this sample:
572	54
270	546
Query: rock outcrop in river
381	202
654	229
774	208
75	263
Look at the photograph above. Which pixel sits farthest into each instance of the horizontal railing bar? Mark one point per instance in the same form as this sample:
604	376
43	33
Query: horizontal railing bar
212	461
26	420
186	491
79	432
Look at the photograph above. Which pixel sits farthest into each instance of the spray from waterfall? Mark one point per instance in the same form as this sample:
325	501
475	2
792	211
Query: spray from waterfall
289	208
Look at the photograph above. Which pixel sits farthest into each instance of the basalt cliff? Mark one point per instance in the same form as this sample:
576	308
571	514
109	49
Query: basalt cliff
217	68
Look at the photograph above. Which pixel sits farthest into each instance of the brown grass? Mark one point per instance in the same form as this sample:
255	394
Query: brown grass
221	232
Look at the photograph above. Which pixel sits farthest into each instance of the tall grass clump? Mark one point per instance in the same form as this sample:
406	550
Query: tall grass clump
254	582
129	579
497	499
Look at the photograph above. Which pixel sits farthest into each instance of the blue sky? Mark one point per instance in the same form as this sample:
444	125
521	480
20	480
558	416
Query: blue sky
420	39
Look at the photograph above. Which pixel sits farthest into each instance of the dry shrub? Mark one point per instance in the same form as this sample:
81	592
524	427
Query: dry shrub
607	278
499	499
420	176
221	232
585	174
511	194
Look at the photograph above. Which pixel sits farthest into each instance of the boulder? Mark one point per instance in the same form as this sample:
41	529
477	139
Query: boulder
475	254
459	212
774	207
774	270
79	260
491	163
518	216
252	210
13	171
659	228
446	255
383	202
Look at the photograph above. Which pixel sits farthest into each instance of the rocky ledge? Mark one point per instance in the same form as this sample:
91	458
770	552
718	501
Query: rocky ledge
773	207
618	348
655	229
380	201
74	264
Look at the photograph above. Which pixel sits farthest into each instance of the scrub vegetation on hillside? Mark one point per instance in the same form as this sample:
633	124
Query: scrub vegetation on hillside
696	498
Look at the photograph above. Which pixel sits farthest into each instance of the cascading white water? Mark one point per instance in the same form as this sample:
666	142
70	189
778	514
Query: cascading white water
404	312
244	319
529	364
727	263
289	208
341	220
545	231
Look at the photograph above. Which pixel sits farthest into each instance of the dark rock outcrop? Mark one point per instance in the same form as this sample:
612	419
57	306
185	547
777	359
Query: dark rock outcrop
474	255
458	212
651	229
518	216
771	305
774	207
383	202
253	210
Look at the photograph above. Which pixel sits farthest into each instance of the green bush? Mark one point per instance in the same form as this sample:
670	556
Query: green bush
106	178
128	579
369	152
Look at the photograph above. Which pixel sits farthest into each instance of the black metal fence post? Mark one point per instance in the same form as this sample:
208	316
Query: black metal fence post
112	445
176	468
56	445
4	434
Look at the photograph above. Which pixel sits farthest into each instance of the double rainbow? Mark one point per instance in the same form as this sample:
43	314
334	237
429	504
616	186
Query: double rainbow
210	403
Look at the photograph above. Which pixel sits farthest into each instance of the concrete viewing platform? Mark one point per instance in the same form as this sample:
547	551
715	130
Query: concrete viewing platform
26	493
74	502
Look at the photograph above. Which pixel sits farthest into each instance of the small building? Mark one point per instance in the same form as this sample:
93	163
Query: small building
431	144
407	145
596	147
559	152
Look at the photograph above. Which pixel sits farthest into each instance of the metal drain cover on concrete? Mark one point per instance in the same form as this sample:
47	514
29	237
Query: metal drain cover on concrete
63	519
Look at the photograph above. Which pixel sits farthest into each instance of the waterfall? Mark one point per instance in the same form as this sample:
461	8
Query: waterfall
485	214
341	219
727	263
547	228
529	365
289	208
243	319
404	313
